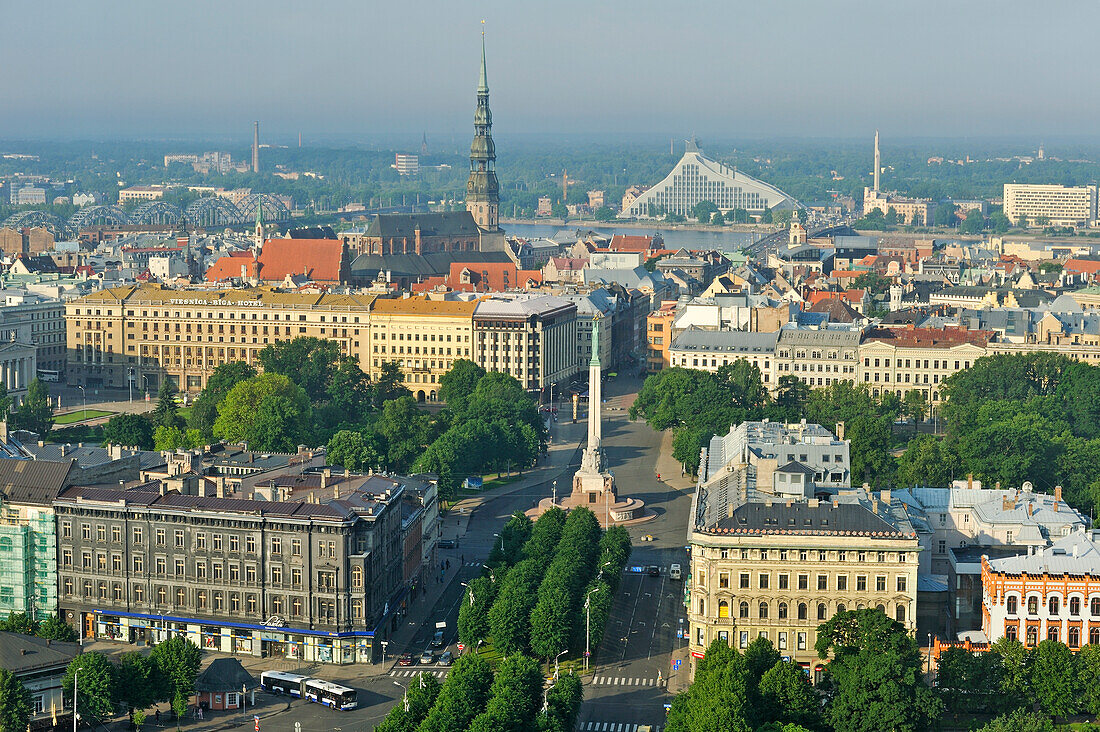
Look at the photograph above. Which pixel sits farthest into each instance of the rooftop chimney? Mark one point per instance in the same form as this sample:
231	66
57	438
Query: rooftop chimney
969	480
885	496
1057	493
840	430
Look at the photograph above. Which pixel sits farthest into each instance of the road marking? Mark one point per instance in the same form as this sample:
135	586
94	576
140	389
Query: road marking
615	727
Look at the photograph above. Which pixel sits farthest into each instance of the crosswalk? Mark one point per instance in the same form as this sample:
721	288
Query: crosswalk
473	564
406	673
624	681
615	727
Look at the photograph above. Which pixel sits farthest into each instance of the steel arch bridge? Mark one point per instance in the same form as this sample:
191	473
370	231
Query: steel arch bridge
212	211
98	215
30	219
156	213
274	209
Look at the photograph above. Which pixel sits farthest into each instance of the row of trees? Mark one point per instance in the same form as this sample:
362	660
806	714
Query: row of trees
475	699
872	682
539	579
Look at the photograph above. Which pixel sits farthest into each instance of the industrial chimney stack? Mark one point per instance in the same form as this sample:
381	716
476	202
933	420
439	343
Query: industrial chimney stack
256	149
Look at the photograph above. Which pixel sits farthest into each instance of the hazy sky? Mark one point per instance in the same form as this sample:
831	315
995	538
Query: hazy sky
156	68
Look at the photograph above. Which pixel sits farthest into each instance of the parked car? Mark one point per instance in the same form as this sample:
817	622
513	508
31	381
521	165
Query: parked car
653	570
437	639
427	657
406	660
446	543
446	659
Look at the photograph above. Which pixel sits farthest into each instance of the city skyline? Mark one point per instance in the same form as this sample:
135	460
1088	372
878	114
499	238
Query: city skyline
803	71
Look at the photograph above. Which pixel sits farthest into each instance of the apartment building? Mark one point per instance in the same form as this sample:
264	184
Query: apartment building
148	333
30	318
424	336
315	578
1049	593
659	336
778	569
531	337
900	359
140	193
1057	205
709	350
819	357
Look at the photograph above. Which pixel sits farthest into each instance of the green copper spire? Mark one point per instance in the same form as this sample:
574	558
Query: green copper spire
483	81
259	214
595	361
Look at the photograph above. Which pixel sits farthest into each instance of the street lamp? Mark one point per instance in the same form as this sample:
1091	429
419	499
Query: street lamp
501	537
492	574
406	695
556	663
130	381
84	399
76	675
588	623
929	654
555	498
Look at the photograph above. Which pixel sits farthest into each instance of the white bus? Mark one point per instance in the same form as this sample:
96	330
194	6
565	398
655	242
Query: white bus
279	682
49	375
330	694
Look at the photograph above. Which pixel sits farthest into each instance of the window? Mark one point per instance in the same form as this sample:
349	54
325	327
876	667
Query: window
784	581
880	583
1094	636
743	639
1033	606
179	568
139	563
822	611
842	583
277	574
357	580
100	532
1053	606
86	531
902	583
742	610
1010	605
763	580
1074	637
296	577
763	611
250	544
276	545
744	581
66	529
823	582
137	535
200	570
217	542
250	574
160	537
782	641
782	611
1052	633
900	613
1075	606
803	581
802	611
200	541
161	566
801	641
200	600
941	547
723	609
1010	632
139	594
179	538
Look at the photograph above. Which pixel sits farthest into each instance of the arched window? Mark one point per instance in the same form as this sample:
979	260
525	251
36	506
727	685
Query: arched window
1010	632
723	609
840	608
1053	606
1075	606
1094	606
1094	636
763	611
1032	636
821	611
702	606
1074	637
801	611
782	611
881	608
900	613
1052	633
743	610
1010	605
1033	606
357	578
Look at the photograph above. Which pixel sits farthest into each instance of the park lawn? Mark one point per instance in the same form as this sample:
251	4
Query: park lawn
184	413
80	415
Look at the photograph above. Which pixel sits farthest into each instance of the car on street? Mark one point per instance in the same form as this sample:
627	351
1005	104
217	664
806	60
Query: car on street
653	570
446	543
427	657
674	572
446	659
406	660
437	639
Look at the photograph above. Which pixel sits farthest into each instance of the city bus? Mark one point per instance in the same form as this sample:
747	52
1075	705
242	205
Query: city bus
51	375
330	694
280	682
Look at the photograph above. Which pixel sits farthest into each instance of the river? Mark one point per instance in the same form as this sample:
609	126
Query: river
723	241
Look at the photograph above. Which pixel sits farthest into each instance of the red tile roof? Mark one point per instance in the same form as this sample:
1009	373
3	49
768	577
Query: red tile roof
630	243
318	259
852	297
229	267
1084	266
929	337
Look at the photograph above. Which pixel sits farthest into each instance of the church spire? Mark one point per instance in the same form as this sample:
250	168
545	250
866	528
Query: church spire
259	223
482	188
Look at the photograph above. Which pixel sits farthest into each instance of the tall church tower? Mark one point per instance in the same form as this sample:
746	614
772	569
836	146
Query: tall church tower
482	188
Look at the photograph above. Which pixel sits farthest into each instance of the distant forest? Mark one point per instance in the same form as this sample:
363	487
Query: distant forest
809	170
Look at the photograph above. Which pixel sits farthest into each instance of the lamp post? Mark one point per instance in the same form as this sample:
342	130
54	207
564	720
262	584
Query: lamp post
406	695
471	591
588	623
929	655
130	381
76	675
554	500
556	663
501	537
84	399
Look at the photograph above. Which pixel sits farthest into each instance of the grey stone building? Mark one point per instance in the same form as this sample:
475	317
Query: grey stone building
313	577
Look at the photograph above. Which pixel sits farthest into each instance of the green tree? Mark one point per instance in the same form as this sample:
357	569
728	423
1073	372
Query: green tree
716	219
927	460
54	628
739	216
686	445
759	657
510	614
914	404
15	703
166	413
1015	661
34	414
406	430
604	213
95	688
356	451
722	699
558	210
999	222
473	613
970	682
1054	679
389	385
204	412
703	211
873	680
19	623
177	661
787	697
974	222
891	217
1020	720
873	282
307	361
462	697
1088	678
422	693
563	702
269	412
945	214
130	430
173	438
459	383
515	697
138	718
791	396
138	683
